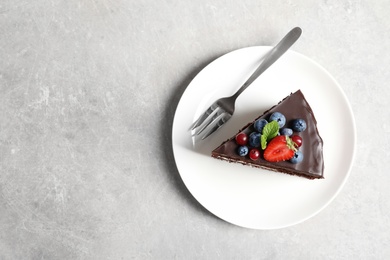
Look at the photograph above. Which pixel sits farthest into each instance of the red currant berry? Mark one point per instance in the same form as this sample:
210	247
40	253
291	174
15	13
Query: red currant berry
254	154
297	140
241	139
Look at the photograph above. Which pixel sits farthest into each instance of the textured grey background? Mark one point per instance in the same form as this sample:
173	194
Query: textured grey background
88	91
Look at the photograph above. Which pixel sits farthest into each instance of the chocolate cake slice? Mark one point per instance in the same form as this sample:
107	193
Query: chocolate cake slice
292	117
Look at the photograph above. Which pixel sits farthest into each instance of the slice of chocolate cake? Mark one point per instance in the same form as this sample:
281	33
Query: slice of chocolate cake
284	139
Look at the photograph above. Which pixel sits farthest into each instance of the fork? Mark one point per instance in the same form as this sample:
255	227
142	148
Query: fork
222	109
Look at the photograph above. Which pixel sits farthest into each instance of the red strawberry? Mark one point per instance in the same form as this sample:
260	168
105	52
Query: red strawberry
280	148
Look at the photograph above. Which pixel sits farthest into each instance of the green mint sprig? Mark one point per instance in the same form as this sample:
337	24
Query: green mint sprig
270	130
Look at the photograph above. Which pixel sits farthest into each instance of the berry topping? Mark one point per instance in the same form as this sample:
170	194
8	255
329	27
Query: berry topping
280	148
297	158
279	144
298	125
278	117
297	140
241	139
254	139
259	125
286	131
242	150
254	154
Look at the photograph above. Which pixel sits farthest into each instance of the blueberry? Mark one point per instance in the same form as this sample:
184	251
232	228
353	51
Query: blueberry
259	124
243	150
254	139
298	125
278	117
286	131
297	158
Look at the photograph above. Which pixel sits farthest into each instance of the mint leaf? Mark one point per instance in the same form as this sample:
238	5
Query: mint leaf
270	130
263	141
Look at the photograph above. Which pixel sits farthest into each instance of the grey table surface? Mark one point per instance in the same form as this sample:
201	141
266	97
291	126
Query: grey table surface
88	93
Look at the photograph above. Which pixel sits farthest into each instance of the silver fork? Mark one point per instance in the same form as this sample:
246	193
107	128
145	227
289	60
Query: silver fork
222	110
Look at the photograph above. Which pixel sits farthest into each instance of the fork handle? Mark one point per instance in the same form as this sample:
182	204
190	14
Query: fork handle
272	56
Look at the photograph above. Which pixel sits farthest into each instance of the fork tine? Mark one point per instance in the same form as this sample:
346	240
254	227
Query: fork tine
218	123
210	118
203	117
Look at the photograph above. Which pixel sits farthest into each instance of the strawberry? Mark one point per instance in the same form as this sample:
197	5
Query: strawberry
280	148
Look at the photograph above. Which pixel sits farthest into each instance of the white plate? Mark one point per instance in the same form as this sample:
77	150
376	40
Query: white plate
250	197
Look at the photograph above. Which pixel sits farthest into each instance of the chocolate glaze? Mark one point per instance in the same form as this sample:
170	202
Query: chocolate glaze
294	106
